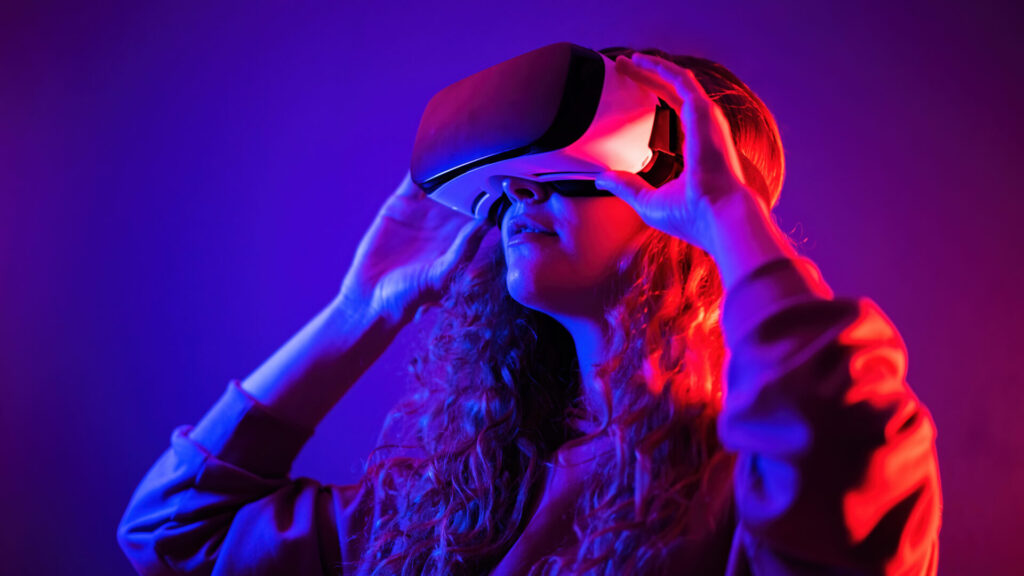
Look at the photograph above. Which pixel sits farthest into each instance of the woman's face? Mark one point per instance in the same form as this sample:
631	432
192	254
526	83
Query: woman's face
565	272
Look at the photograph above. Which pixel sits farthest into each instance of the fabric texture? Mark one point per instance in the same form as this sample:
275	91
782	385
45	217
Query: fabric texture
833	469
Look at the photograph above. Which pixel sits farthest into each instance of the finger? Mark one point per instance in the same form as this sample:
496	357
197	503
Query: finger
694	127
681	79
468	241
696	110
462	250
700	114
409	188
423	310
626	185
478	229
651	80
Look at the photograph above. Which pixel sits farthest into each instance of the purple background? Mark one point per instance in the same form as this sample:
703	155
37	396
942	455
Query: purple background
182	189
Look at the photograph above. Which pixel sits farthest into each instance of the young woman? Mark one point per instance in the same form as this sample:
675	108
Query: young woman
656	384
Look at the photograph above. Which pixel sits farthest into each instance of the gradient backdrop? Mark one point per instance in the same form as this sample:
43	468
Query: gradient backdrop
182	188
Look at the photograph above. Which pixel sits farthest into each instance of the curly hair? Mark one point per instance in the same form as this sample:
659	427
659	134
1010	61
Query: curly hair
496	391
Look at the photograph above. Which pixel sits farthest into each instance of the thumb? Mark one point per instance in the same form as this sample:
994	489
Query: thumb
626	185
461	252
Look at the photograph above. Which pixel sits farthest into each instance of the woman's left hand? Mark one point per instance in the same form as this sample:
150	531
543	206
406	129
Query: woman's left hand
712	174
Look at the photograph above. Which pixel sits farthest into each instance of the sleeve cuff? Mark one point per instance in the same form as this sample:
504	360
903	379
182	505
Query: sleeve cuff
762	292
239	430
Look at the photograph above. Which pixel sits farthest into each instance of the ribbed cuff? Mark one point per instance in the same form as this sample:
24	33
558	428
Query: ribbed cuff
764	290
239	430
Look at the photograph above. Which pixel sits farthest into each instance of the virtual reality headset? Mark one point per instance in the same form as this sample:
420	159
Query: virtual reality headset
558	115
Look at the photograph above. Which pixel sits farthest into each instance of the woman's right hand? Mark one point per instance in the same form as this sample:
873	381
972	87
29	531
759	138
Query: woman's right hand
410	255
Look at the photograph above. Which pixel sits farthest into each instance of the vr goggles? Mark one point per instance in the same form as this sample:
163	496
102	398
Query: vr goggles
558	115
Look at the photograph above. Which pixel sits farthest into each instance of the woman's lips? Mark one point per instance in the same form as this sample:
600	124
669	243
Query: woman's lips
529	237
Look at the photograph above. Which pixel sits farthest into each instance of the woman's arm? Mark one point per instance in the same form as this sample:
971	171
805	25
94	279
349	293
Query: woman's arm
837	468
743	237
220	499
310	373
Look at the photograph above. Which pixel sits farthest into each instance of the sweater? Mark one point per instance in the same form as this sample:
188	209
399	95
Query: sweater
833	466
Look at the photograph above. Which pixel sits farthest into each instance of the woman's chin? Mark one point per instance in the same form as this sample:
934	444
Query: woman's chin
554	300
525	292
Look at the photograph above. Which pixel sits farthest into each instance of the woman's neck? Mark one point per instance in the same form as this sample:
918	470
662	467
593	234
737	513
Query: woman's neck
589	338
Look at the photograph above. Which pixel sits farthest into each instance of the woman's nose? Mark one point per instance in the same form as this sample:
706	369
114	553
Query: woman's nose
523	190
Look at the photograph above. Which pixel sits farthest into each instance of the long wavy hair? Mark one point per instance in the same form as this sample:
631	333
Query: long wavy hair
496	391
